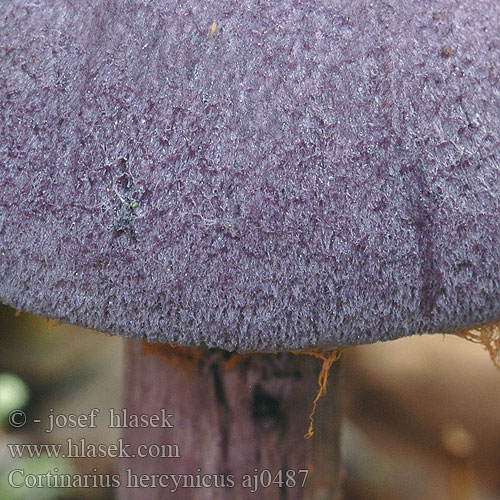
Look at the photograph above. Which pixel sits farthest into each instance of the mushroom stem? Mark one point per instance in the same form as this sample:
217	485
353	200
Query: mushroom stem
238	426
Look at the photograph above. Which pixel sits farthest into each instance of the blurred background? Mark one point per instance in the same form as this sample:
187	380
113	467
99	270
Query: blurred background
422	415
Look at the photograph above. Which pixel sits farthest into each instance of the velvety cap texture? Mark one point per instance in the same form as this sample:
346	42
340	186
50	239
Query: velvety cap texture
251	175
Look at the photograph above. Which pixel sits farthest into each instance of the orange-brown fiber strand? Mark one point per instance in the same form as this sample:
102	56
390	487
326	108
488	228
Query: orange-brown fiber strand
328	358
229	364
489	336
186	357
50	325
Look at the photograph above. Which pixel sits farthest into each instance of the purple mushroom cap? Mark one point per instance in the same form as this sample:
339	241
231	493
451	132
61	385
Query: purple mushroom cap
251	175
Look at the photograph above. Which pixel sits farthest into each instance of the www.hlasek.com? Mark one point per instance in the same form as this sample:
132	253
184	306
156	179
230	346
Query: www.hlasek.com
82	449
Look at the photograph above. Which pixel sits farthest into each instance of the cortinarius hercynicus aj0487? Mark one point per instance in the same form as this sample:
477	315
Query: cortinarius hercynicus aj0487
250	176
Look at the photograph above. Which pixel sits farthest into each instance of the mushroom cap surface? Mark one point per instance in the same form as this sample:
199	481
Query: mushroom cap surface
252	175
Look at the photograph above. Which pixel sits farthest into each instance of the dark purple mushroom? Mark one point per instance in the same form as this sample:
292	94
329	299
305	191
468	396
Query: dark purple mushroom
250	177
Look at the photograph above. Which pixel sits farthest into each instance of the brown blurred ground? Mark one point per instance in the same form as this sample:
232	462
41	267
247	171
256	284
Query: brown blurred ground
69	369
411	404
